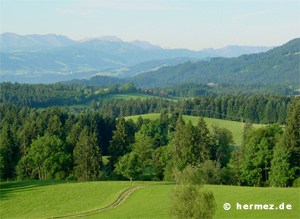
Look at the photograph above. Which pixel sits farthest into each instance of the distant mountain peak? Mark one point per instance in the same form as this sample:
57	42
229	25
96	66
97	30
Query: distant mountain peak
103	38
144	44
14	42
235	50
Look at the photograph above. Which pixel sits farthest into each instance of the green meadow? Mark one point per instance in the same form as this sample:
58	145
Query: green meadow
46	198
153	202
234	127
128	96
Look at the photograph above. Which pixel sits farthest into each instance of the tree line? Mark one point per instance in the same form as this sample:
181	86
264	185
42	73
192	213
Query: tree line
45	95
54	144
257	108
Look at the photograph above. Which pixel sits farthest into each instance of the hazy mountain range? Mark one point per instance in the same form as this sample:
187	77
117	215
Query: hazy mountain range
12	42
276	66
51	58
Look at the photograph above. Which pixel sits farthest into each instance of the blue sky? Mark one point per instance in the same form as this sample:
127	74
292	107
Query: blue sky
192	24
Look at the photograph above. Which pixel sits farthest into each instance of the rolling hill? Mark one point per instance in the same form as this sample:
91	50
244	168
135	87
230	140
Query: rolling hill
52	58
277	66
236	128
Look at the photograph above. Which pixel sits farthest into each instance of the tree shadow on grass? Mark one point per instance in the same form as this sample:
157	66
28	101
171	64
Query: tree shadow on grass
12	188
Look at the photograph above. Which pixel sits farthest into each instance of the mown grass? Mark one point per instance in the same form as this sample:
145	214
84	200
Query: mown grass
126	96
153	202
235	127
42	199
129	96
45	199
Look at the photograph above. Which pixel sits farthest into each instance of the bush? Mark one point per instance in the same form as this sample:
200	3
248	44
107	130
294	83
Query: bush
155	179
210	172
60	175
191	201
70	177
296	183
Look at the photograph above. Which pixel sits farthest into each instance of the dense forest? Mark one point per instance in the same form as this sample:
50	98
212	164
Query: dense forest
223	89
54	144
42	141
41	95
194	89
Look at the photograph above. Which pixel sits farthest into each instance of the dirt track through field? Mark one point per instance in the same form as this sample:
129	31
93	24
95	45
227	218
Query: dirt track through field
119	201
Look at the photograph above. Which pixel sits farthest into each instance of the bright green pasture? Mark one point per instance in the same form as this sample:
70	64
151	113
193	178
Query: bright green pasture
142	96
126	96
234	127
42	199
153	202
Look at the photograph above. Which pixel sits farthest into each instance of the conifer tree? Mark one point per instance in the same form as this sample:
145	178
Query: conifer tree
94	105
187	147
291	136
202	141
87	157
9	152
246	129
280	173
177	140
119	145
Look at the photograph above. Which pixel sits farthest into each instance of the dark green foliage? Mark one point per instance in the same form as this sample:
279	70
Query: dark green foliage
258	109
202	141
210	106
221	139
53	143
210	172
45	157
191	201
291	136
119	145
234	167
87	157
130	165
258	153
9	152
246	129
280	171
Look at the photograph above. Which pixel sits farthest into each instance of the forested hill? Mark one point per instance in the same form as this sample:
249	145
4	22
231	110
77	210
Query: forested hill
277	66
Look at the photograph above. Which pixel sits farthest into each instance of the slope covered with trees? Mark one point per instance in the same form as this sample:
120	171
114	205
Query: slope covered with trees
277	66
54	144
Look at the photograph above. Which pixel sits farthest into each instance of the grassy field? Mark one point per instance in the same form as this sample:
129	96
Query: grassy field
128	96
45	199
234	127
142	96
153	202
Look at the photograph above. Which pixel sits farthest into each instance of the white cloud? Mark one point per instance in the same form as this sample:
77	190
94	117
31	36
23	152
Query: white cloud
238	17
127	5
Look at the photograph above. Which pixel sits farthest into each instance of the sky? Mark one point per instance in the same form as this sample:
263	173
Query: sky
191	24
